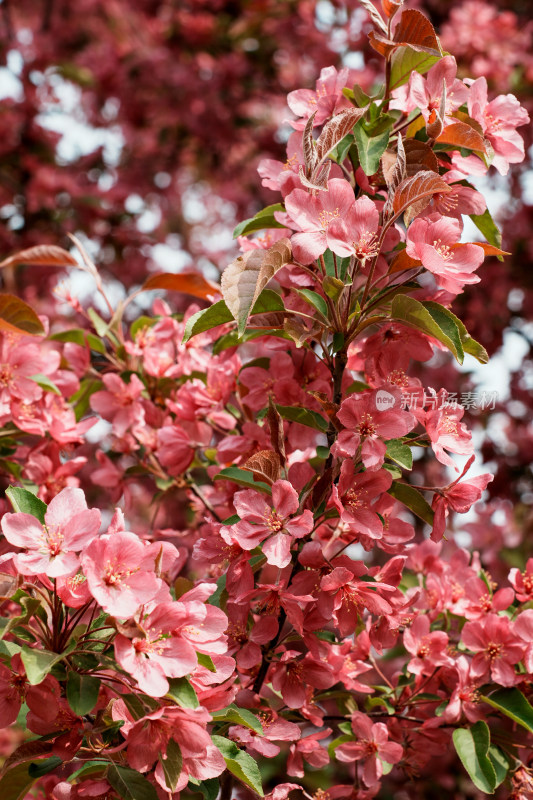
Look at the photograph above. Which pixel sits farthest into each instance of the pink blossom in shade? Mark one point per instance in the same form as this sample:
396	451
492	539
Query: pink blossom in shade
497	648
479	601
282	791
248	643
523	627
148	738
327	100
355	233
345	597
308	749
425	93
434	241
277	380
19	360
522	582
15	690
52	548
465	696
120	573
293	677
460	497
428	649
283	177
355	497
276	523
312	215
370	419
119	403
73	590
372	745
158	655
460	200
177	444
499	119
275	729
446	431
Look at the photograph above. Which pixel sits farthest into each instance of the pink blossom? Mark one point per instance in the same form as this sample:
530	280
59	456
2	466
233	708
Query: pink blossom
355	233
434	240
312	215
276	522
465	696
294	677
458	496
523	627
425	93
327	100
355	498
177	443
120	573
52	548
275	729
446	431
522	582
308	749
497	649
372	745
428	648
119	403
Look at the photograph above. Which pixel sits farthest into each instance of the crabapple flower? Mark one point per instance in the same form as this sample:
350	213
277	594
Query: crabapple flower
426	93
499	119
497	649
312	215
120	573
372	745
427	648
434	241
355	233
371	419
445	430
293	678
328	98
522	582
458	496
355	497
52	548
465	696
276	523
119	403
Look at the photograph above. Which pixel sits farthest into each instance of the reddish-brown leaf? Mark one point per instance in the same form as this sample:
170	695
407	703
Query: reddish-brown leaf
16	316
193	283
488	249
265	466
460	134
381	44
422	185
309	147
277	432
45	255
28	751
402	262
419	156
336	129
374	15
329	408
415	30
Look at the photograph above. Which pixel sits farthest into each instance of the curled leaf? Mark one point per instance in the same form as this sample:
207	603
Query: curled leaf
45	255
336	129
265	466
16	316
190	282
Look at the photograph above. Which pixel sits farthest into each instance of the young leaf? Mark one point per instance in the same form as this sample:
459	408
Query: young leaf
130	784
472	745
206	661
182	693
416	30
26	502
239	716
245	278
45	383
193	283
315	300
400	453
38	663
240	764
488	228
405	60
304	416
263	219
81	337
413	500
171	763
82	692
45	255
206	319
428	320
468	344
370	147
242	478
264	465
513	704
18	317
421	186
460	135
309	146
335	130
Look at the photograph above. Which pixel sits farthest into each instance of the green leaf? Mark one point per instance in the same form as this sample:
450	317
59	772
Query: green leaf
38	663
42	767
232	339
81	399
414	314
333	287
400	453
29	606
267	301
414	501
172	764
243	478
140	323
204	660
404	61
26	502
182	693
209	788
101	326
341	151
472	745
315	300
240	764
16	783
82	692
513	704
263	219
370	146
45	383
468	344
129	784
488	228
312	419
208	318
500	763
240	716
81	337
